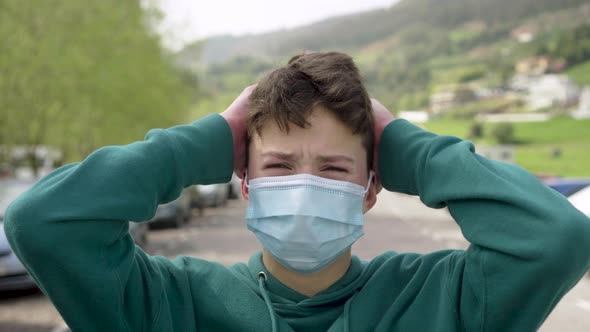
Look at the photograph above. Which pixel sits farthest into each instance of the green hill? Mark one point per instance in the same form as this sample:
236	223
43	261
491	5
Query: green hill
416	48
356	31
408	51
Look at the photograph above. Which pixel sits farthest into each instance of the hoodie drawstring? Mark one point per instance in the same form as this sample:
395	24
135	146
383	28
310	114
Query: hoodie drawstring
262	285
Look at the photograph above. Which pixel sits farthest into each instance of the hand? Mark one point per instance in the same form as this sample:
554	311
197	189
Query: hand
382	117
236	116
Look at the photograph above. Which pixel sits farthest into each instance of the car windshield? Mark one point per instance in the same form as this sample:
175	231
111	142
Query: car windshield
9	191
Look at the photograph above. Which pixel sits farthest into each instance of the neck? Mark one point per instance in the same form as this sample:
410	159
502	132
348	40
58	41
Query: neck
307	284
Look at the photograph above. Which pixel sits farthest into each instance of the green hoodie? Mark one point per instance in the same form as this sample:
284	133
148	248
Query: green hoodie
529	246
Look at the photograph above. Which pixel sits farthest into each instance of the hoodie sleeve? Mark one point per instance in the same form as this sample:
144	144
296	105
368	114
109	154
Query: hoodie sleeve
71	229
529	245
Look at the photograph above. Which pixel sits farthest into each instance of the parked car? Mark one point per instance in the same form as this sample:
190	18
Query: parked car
234	187
577	191
581	200
179	211
13	275
213	195
567	186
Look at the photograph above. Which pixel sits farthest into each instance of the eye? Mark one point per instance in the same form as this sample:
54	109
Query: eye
277	166
334	169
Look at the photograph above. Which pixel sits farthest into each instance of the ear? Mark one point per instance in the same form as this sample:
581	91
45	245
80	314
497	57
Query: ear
371	196
244	189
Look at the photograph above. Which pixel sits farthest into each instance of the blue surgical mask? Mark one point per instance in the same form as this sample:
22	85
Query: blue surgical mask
306	222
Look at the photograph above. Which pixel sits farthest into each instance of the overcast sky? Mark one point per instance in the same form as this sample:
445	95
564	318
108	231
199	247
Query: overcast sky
188	20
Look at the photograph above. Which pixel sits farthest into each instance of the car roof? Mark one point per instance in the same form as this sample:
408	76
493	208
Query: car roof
581	200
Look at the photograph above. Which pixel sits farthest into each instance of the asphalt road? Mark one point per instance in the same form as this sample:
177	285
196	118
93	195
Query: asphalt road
397	222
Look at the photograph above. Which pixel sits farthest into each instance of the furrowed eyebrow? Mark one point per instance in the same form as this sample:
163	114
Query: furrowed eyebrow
279	155
335	158
323	158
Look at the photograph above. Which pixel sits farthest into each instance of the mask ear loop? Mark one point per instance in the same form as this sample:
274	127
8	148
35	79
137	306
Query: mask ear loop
371	174
246	179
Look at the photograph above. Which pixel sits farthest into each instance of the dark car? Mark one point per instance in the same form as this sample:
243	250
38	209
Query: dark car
13	275
179	211
567	186
213	195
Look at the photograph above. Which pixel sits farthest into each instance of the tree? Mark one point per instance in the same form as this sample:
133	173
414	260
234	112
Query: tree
503	133
79	75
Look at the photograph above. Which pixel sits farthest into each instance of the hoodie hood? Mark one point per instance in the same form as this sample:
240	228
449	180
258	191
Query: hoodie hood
299	311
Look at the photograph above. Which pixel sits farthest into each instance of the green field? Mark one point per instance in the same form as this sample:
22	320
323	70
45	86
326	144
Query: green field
580	73
537	141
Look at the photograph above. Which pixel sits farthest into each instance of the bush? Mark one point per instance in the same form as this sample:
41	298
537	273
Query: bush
476	130
503	133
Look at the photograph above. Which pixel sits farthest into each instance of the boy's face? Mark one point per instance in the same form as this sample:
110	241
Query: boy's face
326	148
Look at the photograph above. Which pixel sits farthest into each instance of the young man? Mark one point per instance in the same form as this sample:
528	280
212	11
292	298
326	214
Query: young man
313	141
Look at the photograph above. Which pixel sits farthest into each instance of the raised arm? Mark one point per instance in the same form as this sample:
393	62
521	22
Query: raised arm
71	231
529	245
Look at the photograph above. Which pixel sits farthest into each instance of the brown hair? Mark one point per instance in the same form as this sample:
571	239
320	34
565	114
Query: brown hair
332	80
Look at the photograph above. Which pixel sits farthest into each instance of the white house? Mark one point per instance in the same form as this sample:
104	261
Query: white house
551	90
583	111
442	101
414	116
521	83
524	34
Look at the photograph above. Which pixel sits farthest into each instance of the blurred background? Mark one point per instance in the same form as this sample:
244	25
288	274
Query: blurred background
77	76
513	76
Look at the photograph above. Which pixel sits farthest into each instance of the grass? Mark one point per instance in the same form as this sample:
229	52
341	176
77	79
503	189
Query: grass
538	141
580	73
573	162
453	75
459	128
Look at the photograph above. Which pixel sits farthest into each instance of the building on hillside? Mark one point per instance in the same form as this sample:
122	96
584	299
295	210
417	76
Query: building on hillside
442	101
557	66
535	65
539	65
449	98
552	90
521	83
414	116
524	34
583	111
